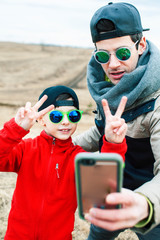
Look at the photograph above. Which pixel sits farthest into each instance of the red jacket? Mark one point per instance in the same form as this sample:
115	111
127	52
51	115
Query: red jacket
44	200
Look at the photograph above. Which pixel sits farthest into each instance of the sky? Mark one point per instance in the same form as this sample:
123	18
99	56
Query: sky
64	22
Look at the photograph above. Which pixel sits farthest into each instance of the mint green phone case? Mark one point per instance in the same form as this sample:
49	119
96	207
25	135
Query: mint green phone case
97	174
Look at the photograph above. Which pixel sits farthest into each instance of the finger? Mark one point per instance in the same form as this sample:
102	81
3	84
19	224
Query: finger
120	198
40	102
121	107
106	109
112	224
122	129
28	105
27	108
110	215
116	124
44	111
22	112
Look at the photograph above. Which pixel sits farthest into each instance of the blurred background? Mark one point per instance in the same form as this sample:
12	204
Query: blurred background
64	22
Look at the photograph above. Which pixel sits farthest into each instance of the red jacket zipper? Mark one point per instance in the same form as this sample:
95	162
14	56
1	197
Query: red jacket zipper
44	195
57	170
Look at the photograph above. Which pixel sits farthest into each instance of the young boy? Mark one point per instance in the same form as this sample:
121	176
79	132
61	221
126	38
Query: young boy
44	200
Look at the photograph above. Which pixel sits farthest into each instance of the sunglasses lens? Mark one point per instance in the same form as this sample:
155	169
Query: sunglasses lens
75	116
102	57
123	54
55	116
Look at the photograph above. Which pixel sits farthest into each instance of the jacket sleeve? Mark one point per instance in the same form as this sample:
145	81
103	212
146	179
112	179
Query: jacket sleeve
89	140
10	148
151	189
119	148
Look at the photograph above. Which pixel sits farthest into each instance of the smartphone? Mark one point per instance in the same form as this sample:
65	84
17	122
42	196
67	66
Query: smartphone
97	174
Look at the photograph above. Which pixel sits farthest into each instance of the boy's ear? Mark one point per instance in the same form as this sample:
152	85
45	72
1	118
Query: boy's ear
41	121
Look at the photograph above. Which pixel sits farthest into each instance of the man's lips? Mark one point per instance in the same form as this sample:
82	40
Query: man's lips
117	75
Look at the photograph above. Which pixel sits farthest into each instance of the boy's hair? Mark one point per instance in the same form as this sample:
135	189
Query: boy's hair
63	96
58	96
105	25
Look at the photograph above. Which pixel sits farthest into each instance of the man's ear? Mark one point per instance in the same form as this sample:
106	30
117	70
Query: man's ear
142	46
41	121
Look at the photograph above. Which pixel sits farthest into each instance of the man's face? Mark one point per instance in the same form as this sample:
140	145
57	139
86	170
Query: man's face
115	69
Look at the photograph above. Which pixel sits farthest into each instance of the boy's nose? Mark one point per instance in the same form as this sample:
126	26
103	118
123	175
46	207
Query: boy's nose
65	119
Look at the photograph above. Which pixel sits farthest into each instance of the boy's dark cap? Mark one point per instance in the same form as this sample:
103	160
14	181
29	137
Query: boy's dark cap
54	92
125	17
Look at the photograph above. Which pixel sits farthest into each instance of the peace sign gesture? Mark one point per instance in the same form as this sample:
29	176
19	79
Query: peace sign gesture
27	116
115	128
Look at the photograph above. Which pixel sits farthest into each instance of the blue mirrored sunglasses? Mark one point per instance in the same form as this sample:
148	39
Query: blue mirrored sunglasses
56	116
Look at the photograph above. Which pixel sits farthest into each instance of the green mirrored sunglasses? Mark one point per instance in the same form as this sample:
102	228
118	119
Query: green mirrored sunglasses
122	53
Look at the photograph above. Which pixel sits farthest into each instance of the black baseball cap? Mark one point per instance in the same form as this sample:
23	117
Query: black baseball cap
124	16
54	92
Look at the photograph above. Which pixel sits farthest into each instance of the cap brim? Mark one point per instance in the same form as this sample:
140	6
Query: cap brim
146	29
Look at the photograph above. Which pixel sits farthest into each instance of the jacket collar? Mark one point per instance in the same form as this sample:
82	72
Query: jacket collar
60	143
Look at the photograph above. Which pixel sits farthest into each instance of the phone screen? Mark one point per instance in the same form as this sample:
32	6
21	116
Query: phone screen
97	180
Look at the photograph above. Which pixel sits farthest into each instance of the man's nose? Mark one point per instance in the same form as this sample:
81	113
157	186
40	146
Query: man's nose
113	61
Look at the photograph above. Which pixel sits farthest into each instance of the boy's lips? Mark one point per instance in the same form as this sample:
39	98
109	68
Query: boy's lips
117	74
65	130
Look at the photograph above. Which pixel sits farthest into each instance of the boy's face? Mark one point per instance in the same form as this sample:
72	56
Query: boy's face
115	69
62	130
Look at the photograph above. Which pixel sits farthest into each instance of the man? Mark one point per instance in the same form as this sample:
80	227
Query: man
125	64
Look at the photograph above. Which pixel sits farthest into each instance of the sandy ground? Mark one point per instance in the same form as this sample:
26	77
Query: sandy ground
25	70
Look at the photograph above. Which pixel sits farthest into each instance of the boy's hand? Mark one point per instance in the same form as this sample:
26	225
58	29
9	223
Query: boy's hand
27	116
116	128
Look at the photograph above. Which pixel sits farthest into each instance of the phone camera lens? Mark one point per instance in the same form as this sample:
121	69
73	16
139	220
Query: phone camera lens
91	162
88	162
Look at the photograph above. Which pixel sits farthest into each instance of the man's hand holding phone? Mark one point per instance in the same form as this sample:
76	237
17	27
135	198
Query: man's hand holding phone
134	209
